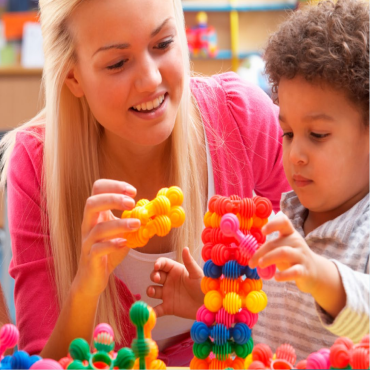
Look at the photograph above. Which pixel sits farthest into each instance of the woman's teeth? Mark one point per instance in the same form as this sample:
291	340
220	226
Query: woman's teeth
150	104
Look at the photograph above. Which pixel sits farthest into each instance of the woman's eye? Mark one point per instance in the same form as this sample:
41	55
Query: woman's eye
288	135
164	44
117	65
319	136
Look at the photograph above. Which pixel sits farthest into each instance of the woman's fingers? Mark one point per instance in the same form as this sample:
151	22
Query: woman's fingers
158	277
155	291
109	230
103	202
104	186
108	247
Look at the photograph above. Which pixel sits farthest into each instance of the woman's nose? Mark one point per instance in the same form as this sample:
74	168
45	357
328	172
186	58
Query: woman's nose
148	76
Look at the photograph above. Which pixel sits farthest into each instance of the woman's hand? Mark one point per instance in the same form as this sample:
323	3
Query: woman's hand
179	286
103	243
293	257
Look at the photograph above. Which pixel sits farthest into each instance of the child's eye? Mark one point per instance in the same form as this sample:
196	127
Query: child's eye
164	44
288	135
118	65
319	136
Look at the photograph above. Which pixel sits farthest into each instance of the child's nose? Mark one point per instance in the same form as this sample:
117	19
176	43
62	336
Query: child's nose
148	75
298	155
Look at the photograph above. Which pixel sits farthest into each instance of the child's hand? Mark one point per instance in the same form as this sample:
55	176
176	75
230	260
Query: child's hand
179	286
291	254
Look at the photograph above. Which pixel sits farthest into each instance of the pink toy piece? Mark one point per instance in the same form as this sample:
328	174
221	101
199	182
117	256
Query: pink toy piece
339	355
266	273
345	341
9	336
326	353
281	364
359	358
302	364
230	227
262	352
246	317
103	328
206	316
46	364
317	360
225	318
286	352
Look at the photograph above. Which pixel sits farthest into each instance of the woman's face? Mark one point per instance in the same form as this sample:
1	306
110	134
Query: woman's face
129	67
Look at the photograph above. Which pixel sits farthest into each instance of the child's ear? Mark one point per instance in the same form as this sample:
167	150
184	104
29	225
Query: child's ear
72	82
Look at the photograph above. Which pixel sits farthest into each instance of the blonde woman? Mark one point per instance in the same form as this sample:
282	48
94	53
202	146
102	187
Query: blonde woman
123	118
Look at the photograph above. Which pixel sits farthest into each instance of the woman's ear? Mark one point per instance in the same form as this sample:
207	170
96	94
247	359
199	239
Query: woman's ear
73	84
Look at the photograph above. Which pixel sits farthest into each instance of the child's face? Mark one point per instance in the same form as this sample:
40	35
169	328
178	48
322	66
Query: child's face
326	146
129	67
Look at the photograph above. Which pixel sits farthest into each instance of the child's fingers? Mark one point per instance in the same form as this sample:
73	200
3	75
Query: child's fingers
263	250
291	273
194	270
282	255
158	277
155	291
280	223
164	264
159	310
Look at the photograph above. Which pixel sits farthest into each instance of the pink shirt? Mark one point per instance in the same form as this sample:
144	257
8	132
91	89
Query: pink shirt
245	145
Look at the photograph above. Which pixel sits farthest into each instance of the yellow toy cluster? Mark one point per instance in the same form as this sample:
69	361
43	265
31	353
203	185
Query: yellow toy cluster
157	217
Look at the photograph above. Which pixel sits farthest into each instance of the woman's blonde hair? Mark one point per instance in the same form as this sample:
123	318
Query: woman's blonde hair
71	160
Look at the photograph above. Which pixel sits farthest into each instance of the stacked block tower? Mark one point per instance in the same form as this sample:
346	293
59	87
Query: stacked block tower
233	291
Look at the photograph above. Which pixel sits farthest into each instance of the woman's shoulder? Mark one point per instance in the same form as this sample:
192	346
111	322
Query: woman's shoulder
27	153
230	87
30	140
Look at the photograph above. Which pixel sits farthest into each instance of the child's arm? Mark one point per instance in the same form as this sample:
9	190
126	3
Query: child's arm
295	260
179	286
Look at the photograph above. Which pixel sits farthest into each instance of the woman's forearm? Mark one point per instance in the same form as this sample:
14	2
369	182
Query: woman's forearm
76	320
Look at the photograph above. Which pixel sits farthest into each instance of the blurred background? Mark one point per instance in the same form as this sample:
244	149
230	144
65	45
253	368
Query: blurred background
223	35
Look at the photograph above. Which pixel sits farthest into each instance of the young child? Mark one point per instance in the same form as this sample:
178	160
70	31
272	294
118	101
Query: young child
318	62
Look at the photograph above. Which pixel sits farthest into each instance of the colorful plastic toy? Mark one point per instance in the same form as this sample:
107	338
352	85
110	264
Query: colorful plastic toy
9	336
157	217
202	39
342	355
247	244
233	291
142	355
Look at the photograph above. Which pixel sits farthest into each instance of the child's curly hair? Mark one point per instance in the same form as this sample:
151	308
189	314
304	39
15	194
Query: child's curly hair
325	43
